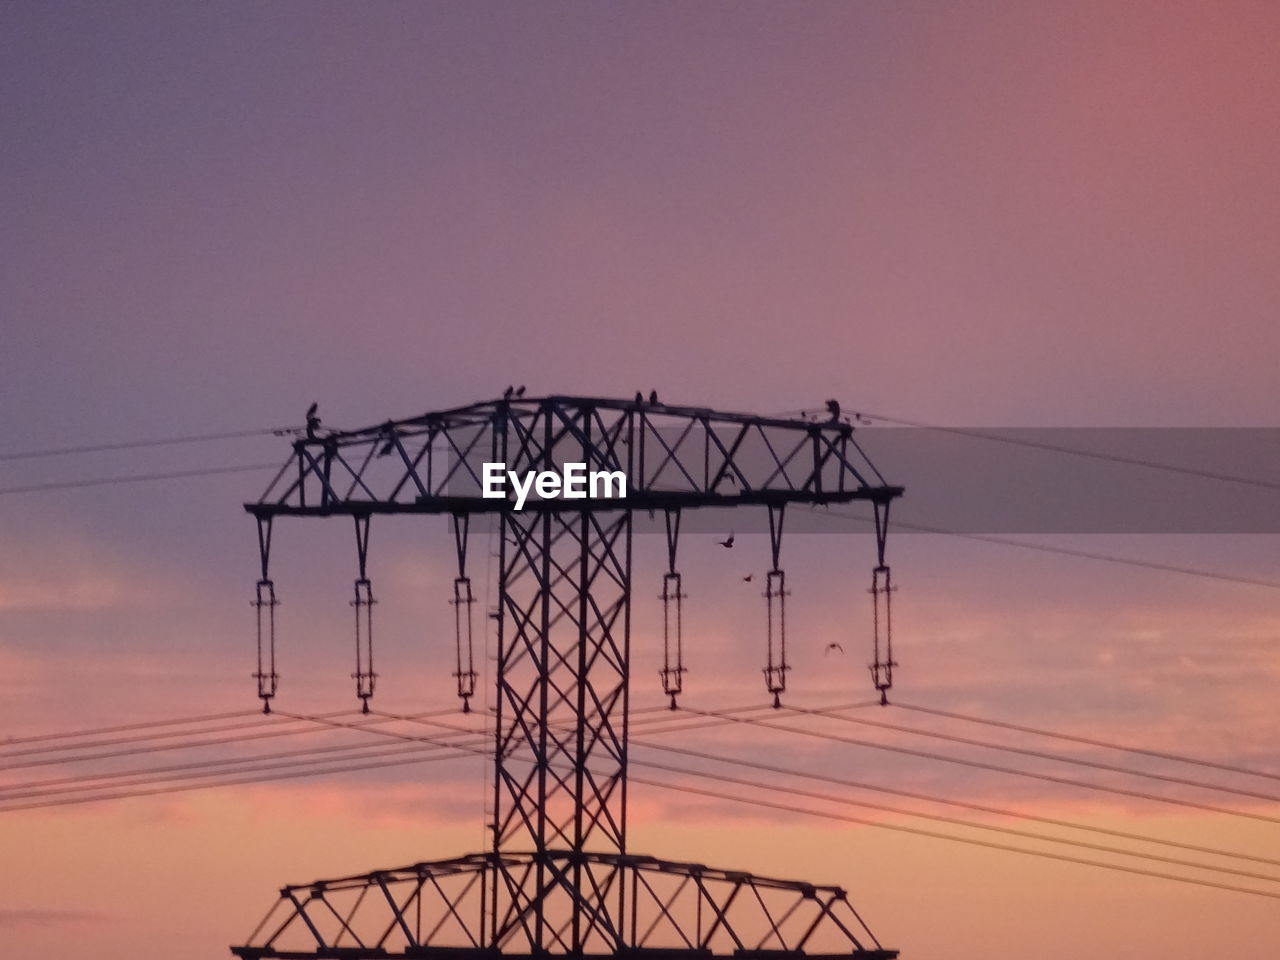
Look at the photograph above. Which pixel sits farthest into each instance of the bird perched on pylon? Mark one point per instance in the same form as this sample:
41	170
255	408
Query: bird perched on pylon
313	421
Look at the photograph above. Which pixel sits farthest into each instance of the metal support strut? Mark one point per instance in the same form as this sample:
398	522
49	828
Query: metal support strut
465	665
881	597
775	595
672	619
363	603
265	601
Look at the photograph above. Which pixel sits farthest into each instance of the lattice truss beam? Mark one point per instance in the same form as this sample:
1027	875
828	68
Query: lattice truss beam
673	457
679	910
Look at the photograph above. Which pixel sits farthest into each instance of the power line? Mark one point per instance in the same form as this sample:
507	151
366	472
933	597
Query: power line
977	808
73	784
1080	452
972	841
136	478
955	821
971	824
462	750
241	766
12	791
260	721
1061	551
180	788
895	810
155	442
1083	844
120	728
156	748
995	768
1089	741
1044	755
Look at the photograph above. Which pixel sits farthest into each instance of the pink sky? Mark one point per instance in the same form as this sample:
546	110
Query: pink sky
970	213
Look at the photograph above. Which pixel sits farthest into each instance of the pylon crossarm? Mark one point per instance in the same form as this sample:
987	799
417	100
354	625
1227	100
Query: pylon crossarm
677	910
672	456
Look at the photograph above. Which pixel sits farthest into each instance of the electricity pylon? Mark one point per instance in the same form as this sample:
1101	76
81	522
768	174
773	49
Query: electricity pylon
559	878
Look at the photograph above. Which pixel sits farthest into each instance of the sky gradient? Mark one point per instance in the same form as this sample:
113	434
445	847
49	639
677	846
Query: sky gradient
964	213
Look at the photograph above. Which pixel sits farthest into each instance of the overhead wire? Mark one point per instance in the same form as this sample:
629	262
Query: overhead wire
183	787
961	804
79	781
938	818
951	820
122	728
153	442
956	821
1077	451
1045	755
463	750
1060	551
209	742
1088	741
136	478
936	835
995	768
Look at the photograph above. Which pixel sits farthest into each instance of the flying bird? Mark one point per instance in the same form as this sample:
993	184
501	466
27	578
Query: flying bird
748	578
727	544
833	646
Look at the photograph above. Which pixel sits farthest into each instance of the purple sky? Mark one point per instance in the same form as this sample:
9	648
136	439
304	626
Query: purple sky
972	213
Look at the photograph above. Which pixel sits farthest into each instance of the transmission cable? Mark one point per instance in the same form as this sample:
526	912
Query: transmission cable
136	478
1044	755
1121	834
121	728
1060	551
182	787
1049	821
95	781
156	442
935	835
979	765
1089	741
1078	452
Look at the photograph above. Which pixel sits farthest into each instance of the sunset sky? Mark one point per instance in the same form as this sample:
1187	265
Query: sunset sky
963	213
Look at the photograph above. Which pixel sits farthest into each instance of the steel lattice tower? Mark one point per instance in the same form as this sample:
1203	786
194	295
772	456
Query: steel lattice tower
559	878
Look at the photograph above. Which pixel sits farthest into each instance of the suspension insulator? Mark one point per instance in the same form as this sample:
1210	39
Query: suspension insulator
364	675
882	631
268	680
776	667
673	669
464	672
